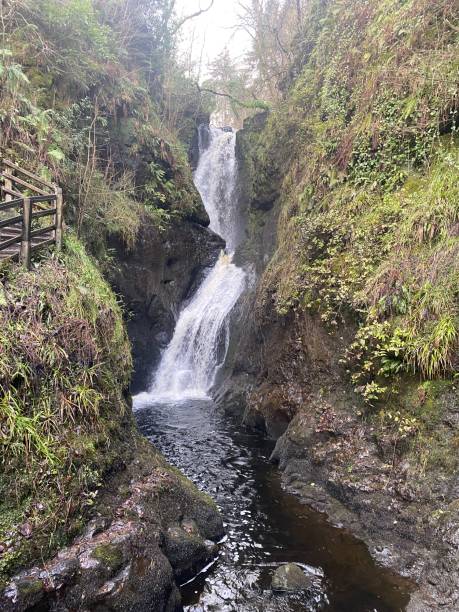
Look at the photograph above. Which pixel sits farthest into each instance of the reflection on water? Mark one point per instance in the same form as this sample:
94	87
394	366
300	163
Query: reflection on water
265	526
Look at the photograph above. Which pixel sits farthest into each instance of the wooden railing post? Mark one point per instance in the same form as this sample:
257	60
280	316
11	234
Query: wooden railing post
8	185
26	229
59	217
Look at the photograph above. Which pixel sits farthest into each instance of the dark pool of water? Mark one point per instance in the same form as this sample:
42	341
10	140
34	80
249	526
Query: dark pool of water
265	525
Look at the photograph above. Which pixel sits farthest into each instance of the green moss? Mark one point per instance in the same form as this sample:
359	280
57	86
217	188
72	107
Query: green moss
414	416
110	555
426	402
364	149
190	486
29	588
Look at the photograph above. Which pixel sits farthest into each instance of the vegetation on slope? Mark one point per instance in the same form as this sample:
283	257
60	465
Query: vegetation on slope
91	94
369	191
65	364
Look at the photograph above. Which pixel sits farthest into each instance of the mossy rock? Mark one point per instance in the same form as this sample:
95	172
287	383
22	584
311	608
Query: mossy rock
110	556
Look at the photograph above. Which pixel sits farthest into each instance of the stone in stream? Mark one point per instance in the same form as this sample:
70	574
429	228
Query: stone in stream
291	577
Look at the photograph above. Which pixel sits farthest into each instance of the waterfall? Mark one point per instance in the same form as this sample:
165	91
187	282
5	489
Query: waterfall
215	179
198	349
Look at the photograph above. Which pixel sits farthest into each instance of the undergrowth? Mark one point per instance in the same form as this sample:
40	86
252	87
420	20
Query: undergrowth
64	363
86	95
366	150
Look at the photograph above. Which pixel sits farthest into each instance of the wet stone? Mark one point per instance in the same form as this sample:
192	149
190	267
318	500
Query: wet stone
61	572
291	578
96	526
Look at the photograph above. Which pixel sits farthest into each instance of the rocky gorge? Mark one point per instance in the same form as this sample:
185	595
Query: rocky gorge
285	377
237	394
291	384
155	277
151	529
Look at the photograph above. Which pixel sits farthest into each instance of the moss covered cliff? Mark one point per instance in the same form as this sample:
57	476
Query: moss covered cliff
93	98
356	321
361	160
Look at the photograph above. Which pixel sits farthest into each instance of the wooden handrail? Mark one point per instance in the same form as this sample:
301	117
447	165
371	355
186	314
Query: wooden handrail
42	230
50	197
18	237
25	251
7	243
44	213
10	204
11	192
11	221
9	164
22	183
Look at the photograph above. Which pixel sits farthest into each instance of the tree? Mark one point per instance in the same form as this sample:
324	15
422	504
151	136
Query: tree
230	84
272	26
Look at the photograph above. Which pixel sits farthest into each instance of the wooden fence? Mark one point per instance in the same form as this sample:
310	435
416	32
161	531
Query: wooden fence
26	204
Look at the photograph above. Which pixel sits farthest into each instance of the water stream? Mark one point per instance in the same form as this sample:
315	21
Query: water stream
265	525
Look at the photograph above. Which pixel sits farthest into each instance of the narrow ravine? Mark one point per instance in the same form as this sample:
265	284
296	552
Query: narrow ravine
266	526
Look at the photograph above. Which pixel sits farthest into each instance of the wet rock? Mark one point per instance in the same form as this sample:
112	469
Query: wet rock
347	466
96	526
200	137
60	573
25	592
291	577
154	277
190	527
110	556
26	530
187	551
159	532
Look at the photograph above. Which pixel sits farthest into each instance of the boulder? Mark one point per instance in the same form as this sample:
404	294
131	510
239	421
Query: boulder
291	577
157	530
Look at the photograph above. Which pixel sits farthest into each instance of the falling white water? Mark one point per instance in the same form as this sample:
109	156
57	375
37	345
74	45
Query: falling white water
215	178
198	349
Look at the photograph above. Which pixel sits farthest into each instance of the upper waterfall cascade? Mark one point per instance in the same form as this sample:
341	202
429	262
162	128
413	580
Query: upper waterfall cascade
199	346
215	179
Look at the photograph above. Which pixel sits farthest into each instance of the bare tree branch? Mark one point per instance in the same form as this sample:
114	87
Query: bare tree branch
255	104
182	22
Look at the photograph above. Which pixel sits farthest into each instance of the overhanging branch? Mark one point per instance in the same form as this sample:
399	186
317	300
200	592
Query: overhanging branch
255	104
182	22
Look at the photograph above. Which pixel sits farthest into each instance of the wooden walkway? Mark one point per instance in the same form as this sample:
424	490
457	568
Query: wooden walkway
31	213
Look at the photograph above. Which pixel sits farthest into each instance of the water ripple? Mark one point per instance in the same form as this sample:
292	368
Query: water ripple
265	526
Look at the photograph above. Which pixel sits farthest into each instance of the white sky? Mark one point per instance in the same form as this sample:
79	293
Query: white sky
210	33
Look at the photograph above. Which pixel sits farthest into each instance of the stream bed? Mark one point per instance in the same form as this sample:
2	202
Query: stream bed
265	525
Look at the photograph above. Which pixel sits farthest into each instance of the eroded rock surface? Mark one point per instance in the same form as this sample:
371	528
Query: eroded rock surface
339	460
154	278
152	530
335	453
290	577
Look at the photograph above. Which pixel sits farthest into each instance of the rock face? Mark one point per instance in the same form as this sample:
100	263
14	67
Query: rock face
288	376
194	152
152	529
154	277
258	199
259	210
341	464
290	577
